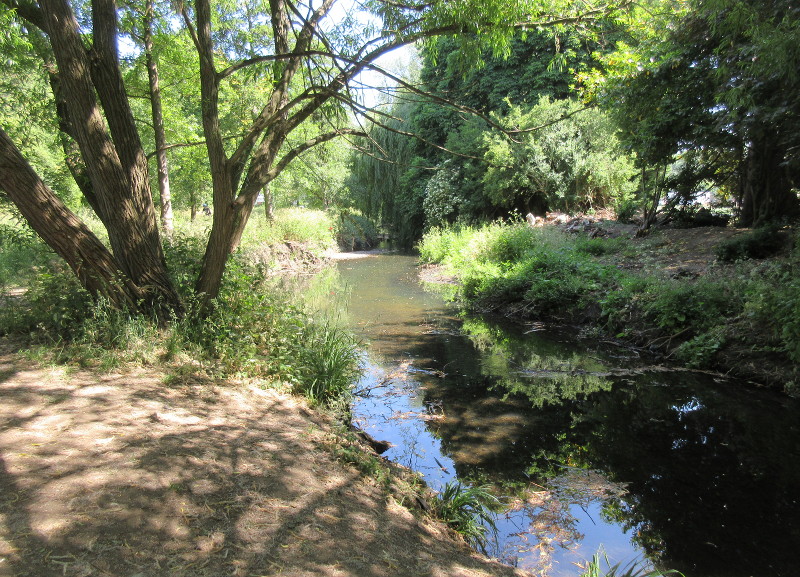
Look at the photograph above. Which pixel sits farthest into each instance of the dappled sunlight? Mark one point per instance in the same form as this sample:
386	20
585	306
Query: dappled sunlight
122	474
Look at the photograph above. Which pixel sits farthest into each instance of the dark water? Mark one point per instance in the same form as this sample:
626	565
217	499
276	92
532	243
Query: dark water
590	446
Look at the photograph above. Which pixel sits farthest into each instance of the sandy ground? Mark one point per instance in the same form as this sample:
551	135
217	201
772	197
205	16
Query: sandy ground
128	475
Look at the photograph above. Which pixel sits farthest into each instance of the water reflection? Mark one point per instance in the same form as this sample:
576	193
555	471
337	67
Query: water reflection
590	445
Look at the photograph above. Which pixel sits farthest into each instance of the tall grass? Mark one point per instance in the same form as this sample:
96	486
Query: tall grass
253	329
315	228
506	264
468	510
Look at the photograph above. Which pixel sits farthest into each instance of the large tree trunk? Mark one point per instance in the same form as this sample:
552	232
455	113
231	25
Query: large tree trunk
116	165
766	188
158	123
64	232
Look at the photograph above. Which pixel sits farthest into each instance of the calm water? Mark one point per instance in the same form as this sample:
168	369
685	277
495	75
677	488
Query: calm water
589	445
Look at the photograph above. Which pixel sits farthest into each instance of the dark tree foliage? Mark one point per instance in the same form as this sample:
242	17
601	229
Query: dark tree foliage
541	63
725	99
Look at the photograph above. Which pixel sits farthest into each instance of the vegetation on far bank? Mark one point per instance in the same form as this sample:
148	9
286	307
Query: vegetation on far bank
738	316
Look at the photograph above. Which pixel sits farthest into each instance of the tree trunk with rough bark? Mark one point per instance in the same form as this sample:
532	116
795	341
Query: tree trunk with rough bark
64	232
111	148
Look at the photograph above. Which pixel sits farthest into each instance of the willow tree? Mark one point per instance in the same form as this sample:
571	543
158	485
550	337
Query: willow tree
309	65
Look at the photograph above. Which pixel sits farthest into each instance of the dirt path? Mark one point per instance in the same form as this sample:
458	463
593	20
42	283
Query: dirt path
125	475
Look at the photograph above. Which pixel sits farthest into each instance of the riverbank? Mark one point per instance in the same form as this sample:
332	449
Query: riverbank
668	292
136	473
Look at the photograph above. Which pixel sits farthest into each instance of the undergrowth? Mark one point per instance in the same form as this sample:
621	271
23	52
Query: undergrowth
254	329
547	274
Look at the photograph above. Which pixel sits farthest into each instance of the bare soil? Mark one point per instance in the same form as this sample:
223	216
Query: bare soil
134	475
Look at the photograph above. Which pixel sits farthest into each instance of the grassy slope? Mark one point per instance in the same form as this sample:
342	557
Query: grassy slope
667	292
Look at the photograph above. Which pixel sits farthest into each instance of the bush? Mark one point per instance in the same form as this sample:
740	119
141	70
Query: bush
505	263
54	306
252	329
314	228
356	232
760	243
330	360
680	305
22	254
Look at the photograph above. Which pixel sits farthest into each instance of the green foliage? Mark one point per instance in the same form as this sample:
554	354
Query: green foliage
700	350
760	243
570	160
598	246
543	273
22	254
510	263
54	306
710	89
468	510
405	194
679	306
330	363
594	568
773	302
355	231
315	229
442	196
252	329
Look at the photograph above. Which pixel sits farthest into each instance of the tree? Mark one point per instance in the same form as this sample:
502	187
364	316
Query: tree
305	70
567	158
444	171
714	88
158	118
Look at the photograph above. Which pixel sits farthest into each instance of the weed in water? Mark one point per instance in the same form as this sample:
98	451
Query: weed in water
594	568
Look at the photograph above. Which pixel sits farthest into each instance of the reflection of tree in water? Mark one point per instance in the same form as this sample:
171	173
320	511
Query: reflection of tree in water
544	372
549	523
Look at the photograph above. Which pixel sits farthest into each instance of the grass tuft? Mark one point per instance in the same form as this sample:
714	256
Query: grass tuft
467	510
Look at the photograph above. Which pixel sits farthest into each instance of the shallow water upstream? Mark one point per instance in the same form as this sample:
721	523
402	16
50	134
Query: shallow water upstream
592	446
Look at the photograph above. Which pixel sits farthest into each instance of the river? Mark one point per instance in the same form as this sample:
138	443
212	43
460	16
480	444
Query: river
590	446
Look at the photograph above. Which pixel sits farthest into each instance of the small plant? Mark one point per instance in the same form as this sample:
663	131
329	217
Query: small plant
467	510
594	568
330	359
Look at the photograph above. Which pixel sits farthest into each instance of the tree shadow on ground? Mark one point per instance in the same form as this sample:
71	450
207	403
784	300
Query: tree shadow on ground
122	475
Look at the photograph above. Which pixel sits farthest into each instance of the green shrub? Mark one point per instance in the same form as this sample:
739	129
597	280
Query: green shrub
760	243
679	305
773	302
53	307
355	231
597	246
252	329
22	254
698	351
314	228
626	208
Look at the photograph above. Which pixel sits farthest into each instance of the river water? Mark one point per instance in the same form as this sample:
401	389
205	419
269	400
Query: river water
590	446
